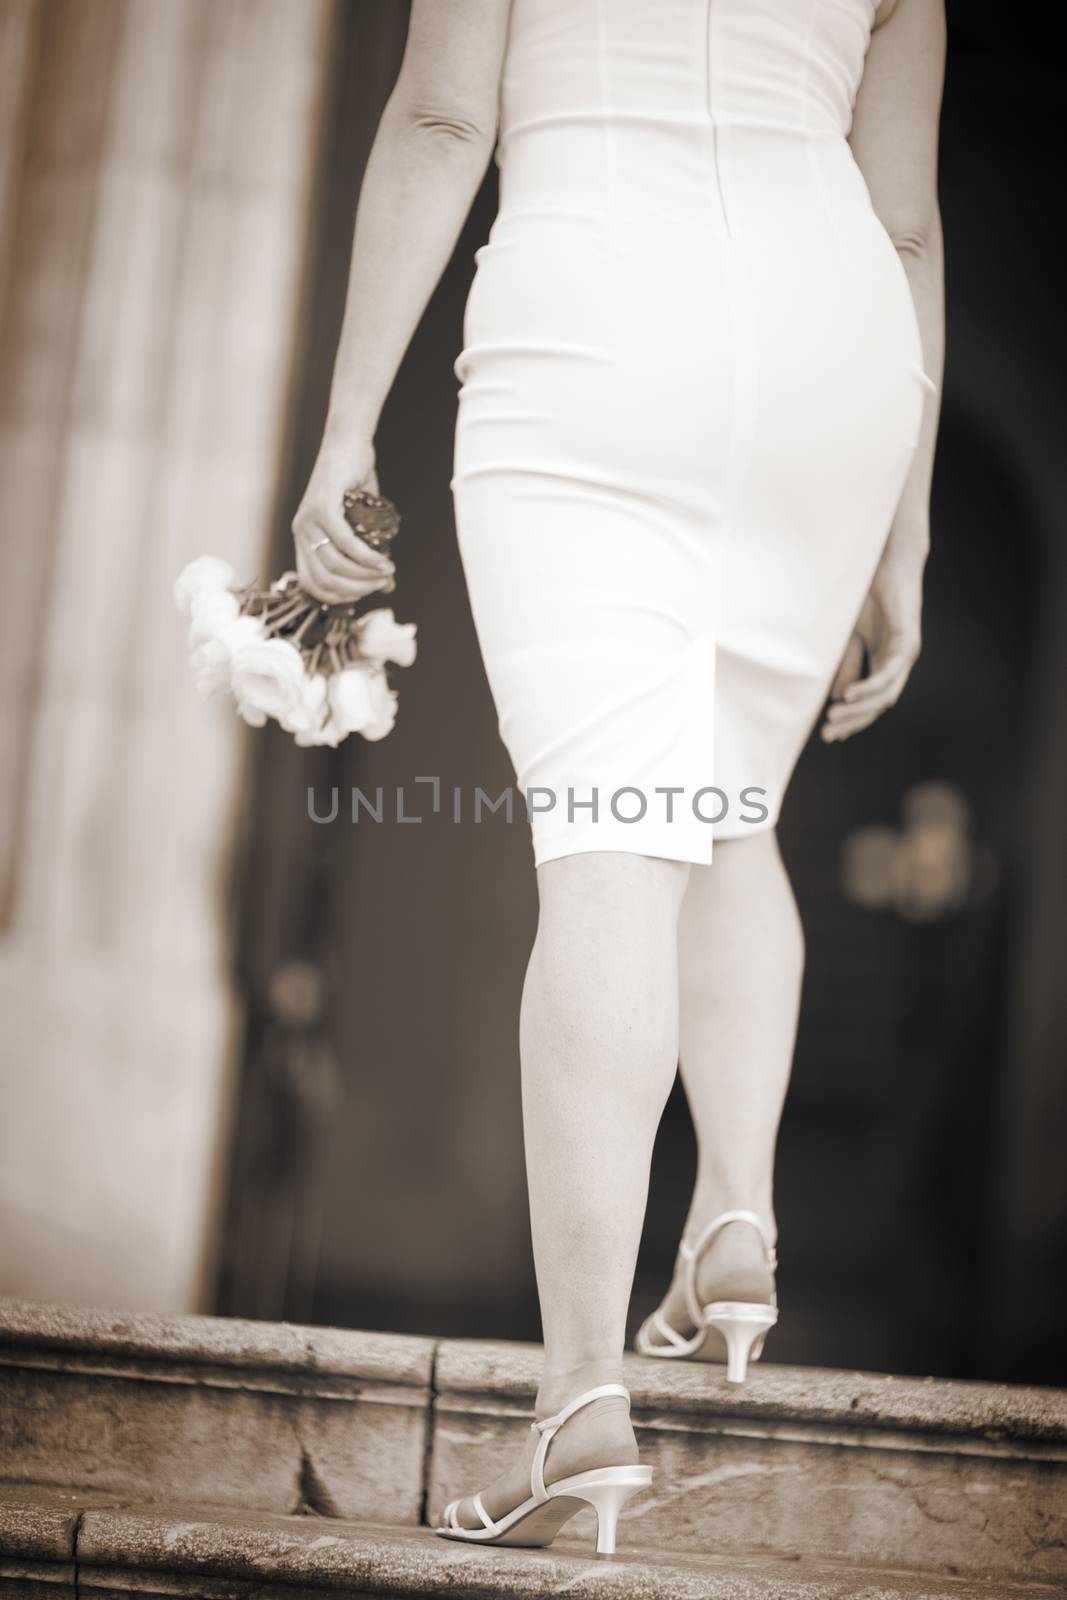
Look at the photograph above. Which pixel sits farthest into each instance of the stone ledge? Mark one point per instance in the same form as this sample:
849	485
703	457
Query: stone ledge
33	1332
194	1552
246	1354
39	1524
853	1401
280	1417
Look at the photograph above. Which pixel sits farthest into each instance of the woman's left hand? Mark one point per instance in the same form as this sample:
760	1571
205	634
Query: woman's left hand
888	636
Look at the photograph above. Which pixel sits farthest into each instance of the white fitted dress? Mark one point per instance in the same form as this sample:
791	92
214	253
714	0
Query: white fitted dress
691	386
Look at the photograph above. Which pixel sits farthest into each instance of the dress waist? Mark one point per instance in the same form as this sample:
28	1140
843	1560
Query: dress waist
737	177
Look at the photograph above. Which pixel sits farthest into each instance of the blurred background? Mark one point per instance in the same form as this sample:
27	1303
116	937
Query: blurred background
267	1067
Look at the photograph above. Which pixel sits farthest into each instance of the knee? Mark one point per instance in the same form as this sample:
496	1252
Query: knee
614	912
608	883
606	950
745	892
612	916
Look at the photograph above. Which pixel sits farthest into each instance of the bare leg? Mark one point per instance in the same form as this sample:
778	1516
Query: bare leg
599	1039
741	959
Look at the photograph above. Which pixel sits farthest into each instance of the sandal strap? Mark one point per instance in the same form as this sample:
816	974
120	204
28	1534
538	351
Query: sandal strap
548	1427
669	1334
450	1514
691	1253
476	1502
675	1343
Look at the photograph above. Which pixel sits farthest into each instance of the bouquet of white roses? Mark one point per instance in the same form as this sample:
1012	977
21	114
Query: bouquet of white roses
318	670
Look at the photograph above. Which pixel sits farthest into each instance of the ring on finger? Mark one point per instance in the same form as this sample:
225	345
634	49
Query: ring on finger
320	542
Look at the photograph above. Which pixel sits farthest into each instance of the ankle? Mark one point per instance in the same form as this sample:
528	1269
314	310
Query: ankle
710	1201
563	1381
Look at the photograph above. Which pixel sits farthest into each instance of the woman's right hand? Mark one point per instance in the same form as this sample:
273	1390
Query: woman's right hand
333	564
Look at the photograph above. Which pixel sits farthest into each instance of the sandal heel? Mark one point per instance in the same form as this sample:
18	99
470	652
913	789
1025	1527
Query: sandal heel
744	1327
608	1498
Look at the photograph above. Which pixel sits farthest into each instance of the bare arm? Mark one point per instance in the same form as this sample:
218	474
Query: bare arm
429	156
894	139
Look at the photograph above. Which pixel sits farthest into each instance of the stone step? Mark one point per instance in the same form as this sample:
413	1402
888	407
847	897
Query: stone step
800	1465
264	1416
799	1462
72	1546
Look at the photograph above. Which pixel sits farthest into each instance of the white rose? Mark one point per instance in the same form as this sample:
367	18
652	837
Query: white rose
267	678
327	733
351	706
212	613
361	701
381	638
384	701
309	714
210	661
206	574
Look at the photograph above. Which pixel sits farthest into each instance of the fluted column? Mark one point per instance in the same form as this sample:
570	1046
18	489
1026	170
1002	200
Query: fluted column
151	245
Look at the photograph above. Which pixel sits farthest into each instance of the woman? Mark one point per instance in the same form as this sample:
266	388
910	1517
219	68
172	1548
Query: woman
692	469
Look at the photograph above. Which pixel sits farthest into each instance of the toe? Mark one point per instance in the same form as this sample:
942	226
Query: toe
466	1515
461	1514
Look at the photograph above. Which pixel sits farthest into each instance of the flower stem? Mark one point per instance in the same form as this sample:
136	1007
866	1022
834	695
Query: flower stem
299	633
288	614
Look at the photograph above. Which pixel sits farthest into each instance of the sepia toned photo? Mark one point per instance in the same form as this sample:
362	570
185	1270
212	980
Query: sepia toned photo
533	840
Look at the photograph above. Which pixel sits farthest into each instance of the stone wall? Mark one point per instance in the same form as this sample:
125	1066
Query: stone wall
156	163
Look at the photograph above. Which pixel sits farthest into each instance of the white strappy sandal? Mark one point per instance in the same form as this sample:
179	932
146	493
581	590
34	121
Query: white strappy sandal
538	1519
743	1324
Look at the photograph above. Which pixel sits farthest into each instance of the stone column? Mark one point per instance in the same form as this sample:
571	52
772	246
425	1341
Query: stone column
155	192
